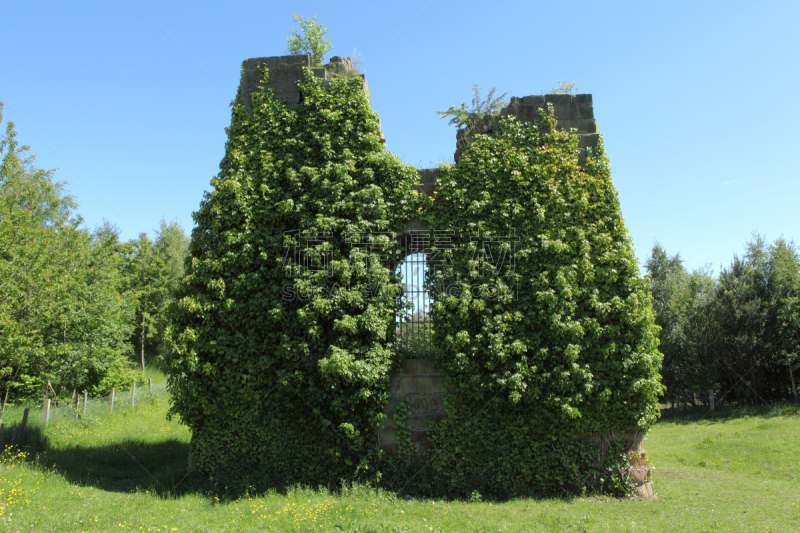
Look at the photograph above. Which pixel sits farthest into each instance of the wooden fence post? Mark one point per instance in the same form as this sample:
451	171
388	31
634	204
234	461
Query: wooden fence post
112	399
46	411
150	385
24	423
711	399
133	395
84	403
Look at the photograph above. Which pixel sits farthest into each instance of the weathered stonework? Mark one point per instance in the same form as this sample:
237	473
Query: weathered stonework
423	386
286	71
571	111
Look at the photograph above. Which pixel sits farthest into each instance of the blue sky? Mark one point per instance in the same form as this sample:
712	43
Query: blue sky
698	102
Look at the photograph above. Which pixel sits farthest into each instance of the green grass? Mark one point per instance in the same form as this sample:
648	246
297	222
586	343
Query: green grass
737	471
155	374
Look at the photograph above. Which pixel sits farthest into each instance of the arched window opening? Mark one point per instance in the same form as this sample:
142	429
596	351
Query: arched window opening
414	328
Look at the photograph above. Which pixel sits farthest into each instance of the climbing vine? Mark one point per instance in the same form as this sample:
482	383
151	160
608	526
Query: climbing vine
282	345
552	345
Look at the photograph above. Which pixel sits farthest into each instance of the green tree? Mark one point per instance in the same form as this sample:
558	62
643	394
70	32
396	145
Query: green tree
467	117
683	303
172	246
148	279
311	40
564	87
37	227
64	316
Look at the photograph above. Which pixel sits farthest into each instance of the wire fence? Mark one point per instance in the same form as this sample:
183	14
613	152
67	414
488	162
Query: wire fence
16	420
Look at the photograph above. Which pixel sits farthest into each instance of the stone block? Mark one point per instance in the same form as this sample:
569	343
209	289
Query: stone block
639	474
293	62
567	124
535	101
587	125
558	99
646	490
409	367
387	436
393	400
426	366
320	73
529	114
589	141
583	106
425	404
422	384
396	383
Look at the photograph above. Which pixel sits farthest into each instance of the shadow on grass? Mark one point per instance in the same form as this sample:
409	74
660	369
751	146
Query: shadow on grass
130	466
727	411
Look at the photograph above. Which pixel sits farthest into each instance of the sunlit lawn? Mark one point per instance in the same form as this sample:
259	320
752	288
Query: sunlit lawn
127	470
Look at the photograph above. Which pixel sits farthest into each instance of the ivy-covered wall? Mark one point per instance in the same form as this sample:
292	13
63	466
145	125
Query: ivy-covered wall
283	346
553	350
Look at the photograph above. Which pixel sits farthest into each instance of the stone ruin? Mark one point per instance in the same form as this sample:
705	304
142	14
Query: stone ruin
419	382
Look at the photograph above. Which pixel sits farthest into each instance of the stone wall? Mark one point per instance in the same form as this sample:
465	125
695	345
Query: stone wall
286	71
573	111
422	385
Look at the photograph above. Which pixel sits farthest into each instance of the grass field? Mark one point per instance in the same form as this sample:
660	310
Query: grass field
736	471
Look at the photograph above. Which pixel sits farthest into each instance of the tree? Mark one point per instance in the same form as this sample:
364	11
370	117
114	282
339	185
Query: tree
681	304
36	227
738	333
311	40
64	316
148	279
172	246
564	87
463	117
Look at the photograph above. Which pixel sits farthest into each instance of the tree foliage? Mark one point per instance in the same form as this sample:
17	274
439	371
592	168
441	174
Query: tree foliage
70	299
311	40
736	335
564	87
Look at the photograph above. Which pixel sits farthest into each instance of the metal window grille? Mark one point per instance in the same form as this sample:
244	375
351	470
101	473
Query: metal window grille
414	328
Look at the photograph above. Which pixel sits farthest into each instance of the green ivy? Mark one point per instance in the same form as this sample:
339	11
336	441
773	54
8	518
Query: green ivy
282	371
557	348
403	429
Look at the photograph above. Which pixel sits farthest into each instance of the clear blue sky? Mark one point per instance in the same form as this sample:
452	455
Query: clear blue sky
698	101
